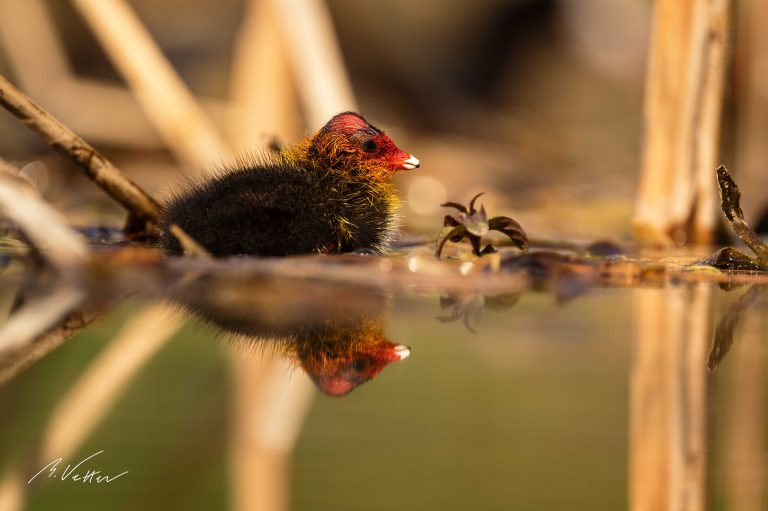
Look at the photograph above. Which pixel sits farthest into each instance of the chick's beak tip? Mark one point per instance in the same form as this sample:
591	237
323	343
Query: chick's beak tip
411	163
402	351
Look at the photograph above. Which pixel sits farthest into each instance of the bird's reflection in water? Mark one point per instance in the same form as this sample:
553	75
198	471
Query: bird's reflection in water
335	333
339	355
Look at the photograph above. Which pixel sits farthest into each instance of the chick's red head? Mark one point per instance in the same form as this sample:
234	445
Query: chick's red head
351	133
340	373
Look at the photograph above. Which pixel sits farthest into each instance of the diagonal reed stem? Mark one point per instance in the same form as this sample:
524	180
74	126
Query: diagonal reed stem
111	179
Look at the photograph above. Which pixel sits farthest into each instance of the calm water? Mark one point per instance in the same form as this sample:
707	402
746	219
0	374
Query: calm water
526	394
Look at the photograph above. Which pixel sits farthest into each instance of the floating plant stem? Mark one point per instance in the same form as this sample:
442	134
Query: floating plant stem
730	198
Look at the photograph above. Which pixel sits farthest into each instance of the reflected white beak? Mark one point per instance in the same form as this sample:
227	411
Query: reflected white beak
402	351
411	163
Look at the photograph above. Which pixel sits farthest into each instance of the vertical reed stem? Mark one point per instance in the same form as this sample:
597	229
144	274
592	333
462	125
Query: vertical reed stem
676	199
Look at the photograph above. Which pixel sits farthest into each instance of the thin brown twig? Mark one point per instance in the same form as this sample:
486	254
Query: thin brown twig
189	244
113	181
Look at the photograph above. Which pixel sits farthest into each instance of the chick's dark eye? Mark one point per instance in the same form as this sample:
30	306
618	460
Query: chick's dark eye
359	364
369	146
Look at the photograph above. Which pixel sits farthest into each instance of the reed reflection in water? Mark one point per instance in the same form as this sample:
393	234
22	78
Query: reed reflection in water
678	458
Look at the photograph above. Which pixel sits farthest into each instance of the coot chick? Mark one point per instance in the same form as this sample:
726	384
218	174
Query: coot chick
332	193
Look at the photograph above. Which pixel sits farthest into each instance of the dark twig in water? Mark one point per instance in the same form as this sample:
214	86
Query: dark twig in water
730	203
727	324
143	210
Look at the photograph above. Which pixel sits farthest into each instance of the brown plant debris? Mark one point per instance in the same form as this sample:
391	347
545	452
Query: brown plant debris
730	198
473	224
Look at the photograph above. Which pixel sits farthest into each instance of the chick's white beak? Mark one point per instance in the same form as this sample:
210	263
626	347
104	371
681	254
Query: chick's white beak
402	351
411	163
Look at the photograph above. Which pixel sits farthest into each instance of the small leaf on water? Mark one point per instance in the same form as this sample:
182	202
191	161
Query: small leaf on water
447	233
730	197
472	203
477	225
455	205
450	221
474	224
511	229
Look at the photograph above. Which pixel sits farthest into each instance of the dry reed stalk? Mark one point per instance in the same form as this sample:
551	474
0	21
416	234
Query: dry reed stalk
12	491
668	399
35	53
116	184
65	251
752	103
37	57
684	94
318	65
269	406
26	335
713	37
263	91
166	101
9	291
42	224
745	444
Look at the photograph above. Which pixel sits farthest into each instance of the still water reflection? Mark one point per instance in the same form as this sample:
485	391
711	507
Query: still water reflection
340	342
551	395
